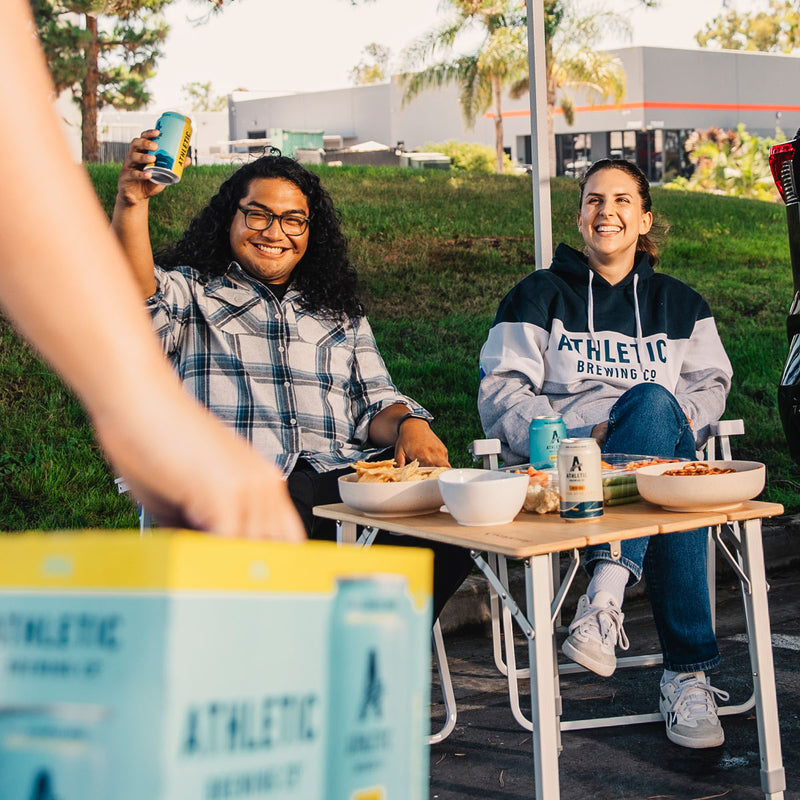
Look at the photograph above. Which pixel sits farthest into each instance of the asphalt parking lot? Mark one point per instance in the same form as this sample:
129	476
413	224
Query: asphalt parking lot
488	755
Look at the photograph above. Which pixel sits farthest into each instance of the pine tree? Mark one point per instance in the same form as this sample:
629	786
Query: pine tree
103	51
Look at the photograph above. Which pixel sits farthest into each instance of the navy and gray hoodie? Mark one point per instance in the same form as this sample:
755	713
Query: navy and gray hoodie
567	342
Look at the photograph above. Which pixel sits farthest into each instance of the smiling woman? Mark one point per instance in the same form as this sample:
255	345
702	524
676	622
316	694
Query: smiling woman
633	359
612	220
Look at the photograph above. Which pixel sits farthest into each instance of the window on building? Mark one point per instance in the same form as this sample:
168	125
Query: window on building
573	154
256	135
622	144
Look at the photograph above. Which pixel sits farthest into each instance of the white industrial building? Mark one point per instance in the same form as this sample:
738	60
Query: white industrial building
670	93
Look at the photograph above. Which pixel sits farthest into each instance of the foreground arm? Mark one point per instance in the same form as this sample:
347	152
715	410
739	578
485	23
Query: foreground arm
65	284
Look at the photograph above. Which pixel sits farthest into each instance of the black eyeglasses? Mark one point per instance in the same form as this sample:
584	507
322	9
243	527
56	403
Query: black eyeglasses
259	220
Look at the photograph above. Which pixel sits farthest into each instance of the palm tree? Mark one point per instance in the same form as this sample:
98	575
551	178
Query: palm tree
573	61
501	58
499	61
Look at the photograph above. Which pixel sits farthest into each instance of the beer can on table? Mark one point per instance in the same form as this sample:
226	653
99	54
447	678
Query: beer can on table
370	717
173	146
544	439
580	480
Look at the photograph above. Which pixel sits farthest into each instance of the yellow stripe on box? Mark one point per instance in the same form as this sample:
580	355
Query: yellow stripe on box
188	561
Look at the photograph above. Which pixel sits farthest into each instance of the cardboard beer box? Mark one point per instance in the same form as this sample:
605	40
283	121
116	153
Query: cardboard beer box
187	667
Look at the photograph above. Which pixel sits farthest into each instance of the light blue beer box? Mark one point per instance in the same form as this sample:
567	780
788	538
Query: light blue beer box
187	667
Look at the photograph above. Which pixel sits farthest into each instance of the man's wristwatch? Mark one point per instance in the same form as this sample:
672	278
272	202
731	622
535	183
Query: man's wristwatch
410	415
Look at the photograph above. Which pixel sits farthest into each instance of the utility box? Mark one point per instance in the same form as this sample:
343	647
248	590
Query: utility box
425	161
289	142
187	667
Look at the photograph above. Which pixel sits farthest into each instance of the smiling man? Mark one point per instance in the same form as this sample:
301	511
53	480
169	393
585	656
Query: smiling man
256	308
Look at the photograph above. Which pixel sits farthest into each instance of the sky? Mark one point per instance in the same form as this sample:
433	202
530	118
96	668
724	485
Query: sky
310	45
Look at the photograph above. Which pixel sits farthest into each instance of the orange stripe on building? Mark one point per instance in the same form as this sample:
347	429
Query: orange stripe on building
662	106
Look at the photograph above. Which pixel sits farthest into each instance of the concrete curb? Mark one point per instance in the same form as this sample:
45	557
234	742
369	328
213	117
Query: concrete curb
469	606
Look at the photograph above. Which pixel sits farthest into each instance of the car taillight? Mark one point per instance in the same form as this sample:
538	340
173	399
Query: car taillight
781	157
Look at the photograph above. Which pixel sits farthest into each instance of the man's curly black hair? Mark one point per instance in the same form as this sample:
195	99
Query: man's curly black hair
324	277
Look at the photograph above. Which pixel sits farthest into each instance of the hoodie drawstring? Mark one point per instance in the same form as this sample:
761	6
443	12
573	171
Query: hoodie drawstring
639	336
590	308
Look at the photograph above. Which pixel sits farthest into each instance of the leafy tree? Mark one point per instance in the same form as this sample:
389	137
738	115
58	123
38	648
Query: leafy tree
200	97
104	51
499	60
468	156
373	67
776	29
730	162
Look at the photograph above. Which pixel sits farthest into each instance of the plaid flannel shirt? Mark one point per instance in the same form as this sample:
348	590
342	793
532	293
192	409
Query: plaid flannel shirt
295	384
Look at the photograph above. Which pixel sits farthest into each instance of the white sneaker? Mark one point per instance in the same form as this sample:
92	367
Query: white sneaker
689	708
594	634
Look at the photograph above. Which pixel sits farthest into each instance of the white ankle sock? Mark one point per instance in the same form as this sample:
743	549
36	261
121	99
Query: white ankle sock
669	675
609	577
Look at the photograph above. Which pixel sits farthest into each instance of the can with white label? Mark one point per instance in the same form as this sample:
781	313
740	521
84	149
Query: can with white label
580	480
173	147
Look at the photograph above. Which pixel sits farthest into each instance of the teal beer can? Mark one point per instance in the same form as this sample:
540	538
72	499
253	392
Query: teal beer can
544	439
173	147
370	736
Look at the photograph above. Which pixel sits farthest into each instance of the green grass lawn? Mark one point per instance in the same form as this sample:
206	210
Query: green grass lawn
435	252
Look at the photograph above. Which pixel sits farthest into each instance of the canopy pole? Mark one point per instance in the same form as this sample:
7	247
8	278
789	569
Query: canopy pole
542	213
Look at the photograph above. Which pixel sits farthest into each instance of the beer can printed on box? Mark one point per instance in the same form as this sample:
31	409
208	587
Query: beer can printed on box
580	480
53	751
369	722
173	147
545	435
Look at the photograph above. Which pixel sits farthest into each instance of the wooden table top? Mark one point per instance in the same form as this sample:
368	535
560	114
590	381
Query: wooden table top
533	534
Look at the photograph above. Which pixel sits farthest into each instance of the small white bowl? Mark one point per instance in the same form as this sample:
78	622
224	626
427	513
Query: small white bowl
701	492
400	498
483	497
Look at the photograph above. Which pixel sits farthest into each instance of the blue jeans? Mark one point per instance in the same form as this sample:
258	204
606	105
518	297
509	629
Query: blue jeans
647	420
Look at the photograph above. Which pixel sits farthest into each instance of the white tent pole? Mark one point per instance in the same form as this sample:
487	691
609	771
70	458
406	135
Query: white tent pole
542	227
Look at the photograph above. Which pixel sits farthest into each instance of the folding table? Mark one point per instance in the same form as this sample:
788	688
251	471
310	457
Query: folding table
533	538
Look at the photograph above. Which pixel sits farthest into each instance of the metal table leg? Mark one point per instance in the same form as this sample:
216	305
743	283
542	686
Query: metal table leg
545	700
773	779
448	696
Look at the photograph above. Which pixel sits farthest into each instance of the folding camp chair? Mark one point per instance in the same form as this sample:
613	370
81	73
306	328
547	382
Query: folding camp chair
487	450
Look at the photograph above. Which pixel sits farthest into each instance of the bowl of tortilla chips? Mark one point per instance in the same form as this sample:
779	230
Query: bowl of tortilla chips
381	488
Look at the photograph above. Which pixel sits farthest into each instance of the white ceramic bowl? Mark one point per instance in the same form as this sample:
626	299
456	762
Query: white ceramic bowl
401	498
701	492
483	497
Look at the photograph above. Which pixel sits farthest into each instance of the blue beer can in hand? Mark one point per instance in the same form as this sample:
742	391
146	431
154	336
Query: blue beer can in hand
173	147
545	435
